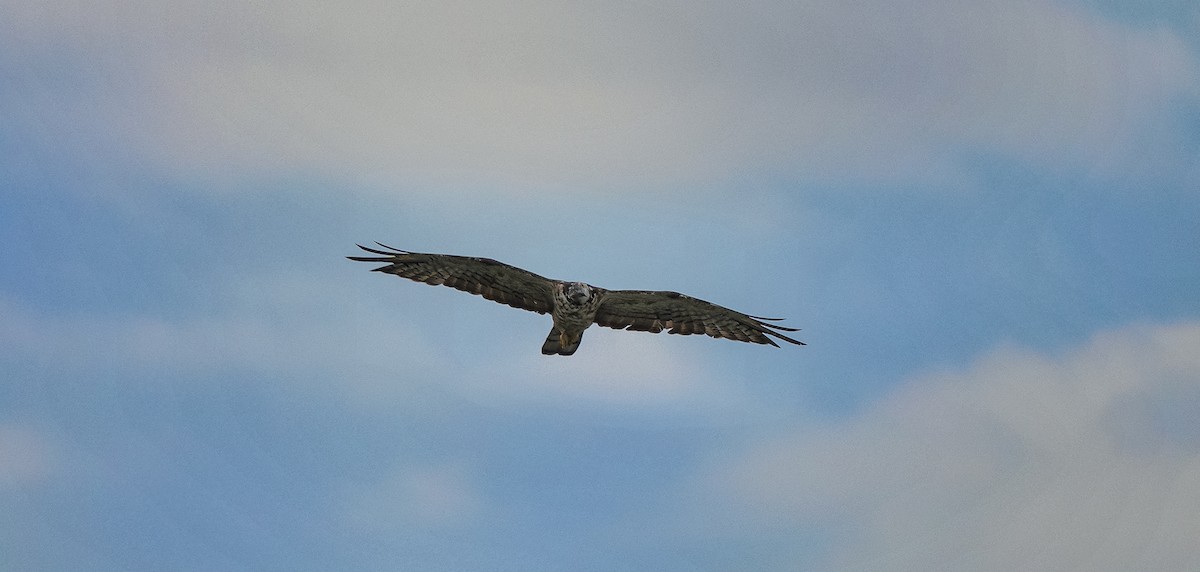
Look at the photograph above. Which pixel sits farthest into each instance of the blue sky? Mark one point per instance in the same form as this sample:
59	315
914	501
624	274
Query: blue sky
982	214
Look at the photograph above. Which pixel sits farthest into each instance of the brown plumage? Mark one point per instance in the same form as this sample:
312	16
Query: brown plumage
574	306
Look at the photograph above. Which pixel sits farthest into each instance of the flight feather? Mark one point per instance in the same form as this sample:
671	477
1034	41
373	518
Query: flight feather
655	311
489	278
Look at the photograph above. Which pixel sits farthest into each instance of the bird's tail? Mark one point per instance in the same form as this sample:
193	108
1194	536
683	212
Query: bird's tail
561	343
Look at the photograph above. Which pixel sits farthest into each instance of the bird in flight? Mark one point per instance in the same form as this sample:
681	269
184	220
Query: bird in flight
574	306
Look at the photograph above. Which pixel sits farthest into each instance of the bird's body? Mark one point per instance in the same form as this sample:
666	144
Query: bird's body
575	306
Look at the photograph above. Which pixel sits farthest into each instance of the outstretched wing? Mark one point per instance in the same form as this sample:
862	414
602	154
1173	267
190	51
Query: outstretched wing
483	276
648	311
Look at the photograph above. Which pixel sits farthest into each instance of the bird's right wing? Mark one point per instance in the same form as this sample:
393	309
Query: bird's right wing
491	279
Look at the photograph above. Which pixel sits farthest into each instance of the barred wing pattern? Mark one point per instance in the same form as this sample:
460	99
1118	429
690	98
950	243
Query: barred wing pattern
489	278
650	311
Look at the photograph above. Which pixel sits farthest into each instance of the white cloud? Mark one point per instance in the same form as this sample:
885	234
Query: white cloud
1085	460
546	95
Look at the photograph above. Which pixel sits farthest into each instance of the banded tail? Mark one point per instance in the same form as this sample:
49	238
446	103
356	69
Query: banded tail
561	343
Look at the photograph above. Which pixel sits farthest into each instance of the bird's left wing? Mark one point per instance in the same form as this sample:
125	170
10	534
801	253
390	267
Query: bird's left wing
650	311
489	278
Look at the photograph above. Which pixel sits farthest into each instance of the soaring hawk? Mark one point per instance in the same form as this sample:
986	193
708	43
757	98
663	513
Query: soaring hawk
574	306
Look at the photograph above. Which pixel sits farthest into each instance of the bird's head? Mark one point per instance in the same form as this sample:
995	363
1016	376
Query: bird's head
578	293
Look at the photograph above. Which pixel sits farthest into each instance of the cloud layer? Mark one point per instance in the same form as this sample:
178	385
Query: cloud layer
546	95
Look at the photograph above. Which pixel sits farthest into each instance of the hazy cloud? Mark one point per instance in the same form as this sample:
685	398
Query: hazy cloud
26	456
419	497
377	357
309	348
621	369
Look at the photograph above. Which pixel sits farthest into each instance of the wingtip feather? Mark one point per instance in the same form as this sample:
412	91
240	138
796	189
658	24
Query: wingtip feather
784	338
763	321
396	250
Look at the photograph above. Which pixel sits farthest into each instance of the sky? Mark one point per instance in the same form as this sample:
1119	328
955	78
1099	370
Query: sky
983	214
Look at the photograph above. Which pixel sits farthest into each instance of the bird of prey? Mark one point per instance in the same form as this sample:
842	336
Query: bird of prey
575	306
